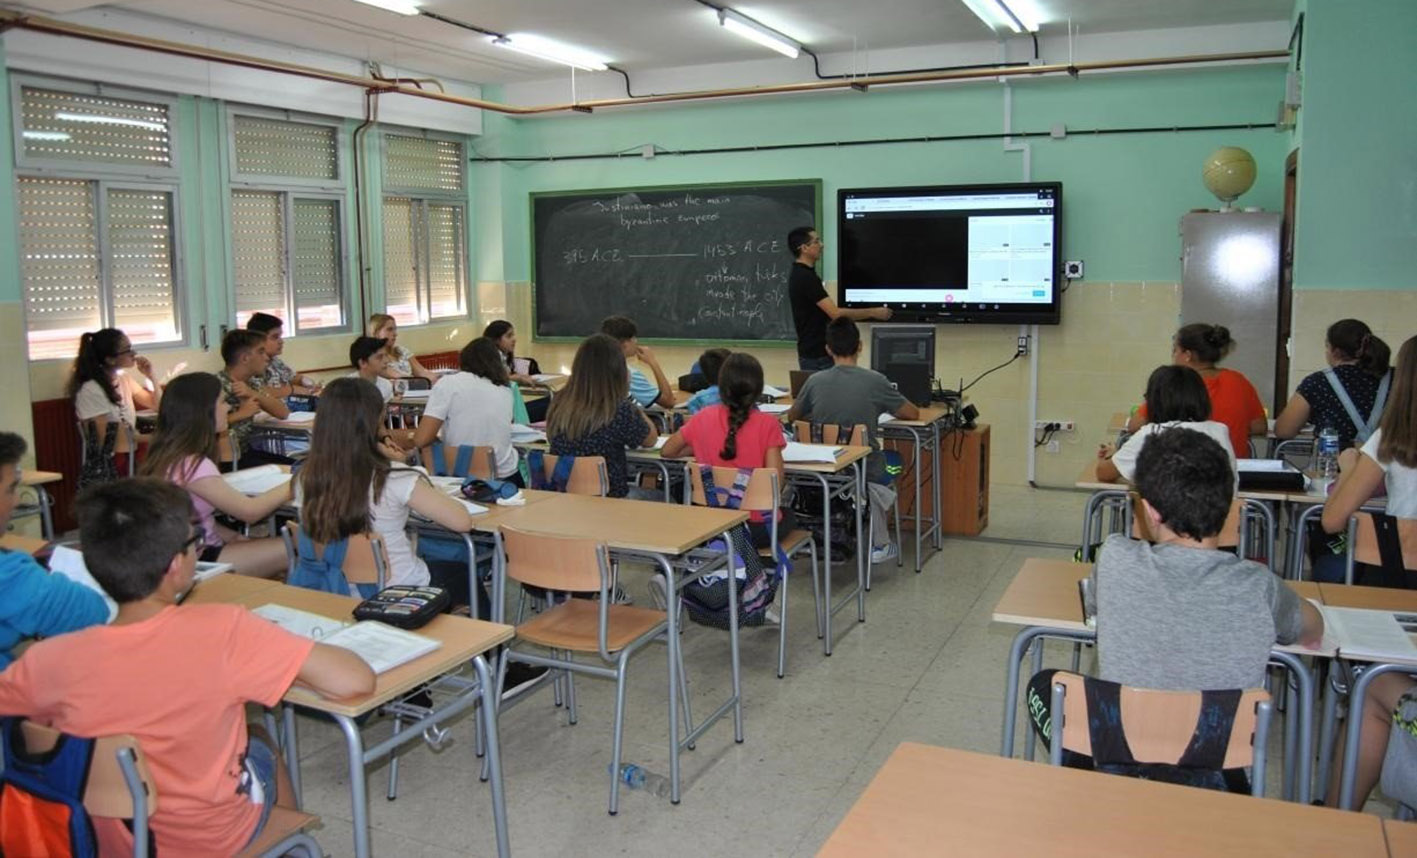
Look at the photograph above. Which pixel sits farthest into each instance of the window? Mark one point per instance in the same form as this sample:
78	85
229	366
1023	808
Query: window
286	215
96	241
425	229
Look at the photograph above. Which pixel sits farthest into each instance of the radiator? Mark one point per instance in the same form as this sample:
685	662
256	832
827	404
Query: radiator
56	448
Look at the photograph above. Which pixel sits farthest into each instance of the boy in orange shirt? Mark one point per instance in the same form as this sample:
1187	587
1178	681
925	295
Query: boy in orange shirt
177	678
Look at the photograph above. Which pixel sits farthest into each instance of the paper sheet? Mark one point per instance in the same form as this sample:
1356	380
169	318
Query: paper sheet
303	623
255	481
1263	465
69	562
300	417
1371	634
523	434
809	453
774	392
885	418
660	442
774	408
382	647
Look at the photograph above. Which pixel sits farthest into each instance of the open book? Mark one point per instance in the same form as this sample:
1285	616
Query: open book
255	481
1371	634
809	453
523	434
382	646
774	392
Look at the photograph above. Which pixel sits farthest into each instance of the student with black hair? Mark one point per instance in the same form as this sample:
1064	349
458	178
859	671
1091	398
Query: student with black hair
473	408
36	603
1349	396
279	378
1175	396
244	354
812	308
643	391
369	358
851	395
177	679
710	362
1233	399
106	391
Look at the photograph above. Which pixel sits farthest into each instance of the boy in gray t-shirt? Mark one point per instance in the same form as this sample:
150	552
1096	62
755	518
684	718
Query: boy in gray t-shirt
1180	614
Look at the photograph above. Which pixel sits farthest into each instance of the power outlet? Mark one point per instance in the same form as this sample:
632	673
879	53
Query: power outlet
1055	425
1022	346
1054	446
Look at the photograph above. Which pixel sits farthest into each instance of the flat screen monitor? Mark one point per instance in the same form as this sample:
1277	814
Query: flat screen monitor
905	354
953	253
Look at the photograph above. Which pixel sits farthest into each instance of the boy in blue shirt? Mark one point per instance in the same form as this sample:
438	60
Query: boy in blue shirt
36	603
642	390
710	362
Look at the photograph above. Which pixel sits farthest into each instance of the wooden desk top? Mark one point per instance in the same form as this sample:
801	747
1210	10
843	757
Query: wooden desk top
1372	598
1401	838
229	588
462	639
40	478
1088	480
661	528
933	801
19	542
1044	593
490	521
848	456
929	414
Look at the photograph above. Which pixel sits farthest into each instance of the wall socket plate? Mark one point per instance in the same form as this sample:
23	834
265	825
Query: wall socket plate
1054	446
1063	425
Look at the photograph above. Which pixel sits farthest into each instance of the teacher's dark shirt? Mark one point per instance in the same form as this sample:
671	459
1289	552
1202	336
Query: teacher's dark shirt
804	289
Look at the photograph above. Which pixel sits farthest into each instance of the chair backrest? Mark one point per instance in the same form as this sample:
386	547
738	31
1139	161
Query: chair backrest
1365	543
555	562
445	460
760	495
365	560
412	382
831	434
588	475
1158	725
106	793
1229	531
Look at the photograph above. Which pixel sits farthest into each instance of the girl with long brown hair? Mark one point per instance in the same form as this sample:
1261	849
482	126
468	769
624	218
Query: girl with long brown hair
184	451
401	362
593	414
108	384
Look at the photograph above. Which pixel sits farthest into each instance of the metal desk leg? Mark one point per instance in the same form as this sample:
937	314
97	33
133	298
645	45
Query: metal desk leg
358	784
1030	739
863	554
1328	727
291	747
46	520
1304	685
1356	701
938	491
493	756
1022	641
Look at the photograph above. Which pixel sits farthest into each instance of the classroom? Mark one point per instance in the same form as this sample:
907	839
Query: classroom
323	173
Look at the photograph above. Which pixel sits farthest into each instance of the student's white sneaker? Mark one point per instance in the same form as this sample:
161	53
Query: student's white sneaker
882	553
771	617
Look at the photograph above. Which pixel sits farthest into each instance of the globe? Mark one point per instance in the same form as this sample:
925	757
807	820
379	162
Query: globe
1228	173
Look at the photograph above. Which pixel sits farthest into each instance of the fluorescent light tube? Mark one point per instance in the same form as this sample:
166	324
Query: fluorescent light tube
403	7
755	32
547	49
1016	15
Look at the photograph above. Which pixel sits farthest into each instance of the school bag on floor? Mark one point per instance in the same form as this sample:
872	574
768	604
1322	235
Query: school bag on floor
42	797
706	599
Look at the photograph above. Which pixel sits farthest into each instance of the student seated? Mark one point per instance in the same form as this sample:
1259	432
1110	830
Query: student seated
278	378
369	357
504	335
473	408
184	451
595	416
735	434
642	390
36	603
708	365
244	353
1349	396
851	395
1181	614
1233	400
176	679
1175	396
105	389
399	361
1387	459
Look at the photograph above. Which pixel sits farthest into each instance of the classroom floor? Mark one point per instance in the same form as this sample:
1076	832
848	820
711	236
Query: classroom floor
927	666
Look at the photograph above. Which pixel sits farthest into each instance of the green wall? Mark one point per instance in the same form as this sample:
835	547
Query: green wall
1123	193
10	290
1357	202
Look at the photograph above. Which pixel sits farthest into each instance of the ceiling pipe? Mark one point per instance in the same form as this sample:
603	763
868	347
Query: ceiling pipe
40	24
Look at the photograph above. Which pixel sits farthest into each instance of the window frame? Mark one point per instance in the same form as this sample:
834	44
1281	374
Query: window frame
90	169
270	181
420	199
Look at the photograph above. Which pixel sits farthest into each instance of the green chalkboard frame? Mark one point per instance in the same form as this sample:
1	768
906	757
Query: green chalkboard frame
590	192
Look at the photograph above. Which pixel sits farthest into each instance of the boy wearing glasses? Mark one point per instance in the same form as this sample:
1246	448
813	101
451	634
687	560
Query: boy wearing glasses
36	603
176	678
812	308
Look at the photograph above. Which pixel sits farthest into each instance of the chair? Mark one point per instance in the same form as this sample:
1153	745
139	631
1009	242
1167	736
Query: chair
1297	448
1235	533
588	475
445	460
121	787
366	562
761	495
90	442
1364	546
596	626
854	436
1166	728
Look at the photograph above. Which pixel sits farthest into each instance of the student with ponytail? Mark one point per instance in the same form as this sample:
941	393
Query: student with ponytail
734	433
106	389
1349	396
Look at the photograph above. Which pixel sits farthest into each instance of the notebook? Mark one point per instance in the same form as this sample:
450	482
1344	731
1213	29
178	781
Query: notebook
809	453
255	481
1371	634
382	646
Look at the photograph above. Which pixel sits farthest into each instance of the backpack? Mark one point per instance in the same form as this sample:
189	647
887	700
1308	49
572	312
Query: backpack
324	572
706	599
560	476
42	797
98	455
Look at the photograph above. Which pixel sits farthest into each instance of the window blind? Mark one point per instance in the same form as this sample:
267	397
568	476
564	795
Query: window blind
315	263
400	260
59	261
276	147
421	164
258	253
67	126
447	277
140	253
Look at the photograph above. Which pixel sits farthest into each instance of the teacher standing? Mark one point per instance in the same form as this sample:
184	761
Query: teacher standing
812	308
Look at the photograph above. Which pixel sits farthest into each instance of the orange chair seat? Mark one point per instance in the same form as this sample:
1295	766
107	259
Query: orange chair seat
574	625
282	823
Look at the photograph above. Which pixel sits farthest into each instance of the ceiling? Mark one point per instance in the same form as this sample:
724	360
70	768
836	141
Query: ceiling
638	35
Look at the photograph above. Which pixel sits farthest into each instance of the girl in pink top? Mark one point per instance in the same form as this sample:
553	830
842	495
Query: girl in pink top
183	452
735	433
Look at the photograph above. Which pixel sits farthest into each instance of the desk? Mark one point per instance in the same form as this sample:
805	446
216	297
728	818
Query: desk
230	588
932	801
463	640
922	434
1401	838
37	480
660	533
1043	599
18	542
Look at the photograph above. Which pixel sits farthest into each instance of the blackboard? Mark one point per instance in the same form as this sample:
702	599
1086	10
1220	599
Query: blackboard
694	262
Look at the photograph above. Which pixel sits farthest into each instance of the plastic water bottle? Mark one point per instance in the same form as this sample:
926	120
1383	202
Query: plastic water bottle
1326	454
636	777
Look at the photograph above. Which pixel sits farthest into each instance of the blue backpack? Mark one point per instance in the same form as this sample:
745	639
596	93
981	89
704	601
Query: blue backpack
706	599
324	572
42	797
560	475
